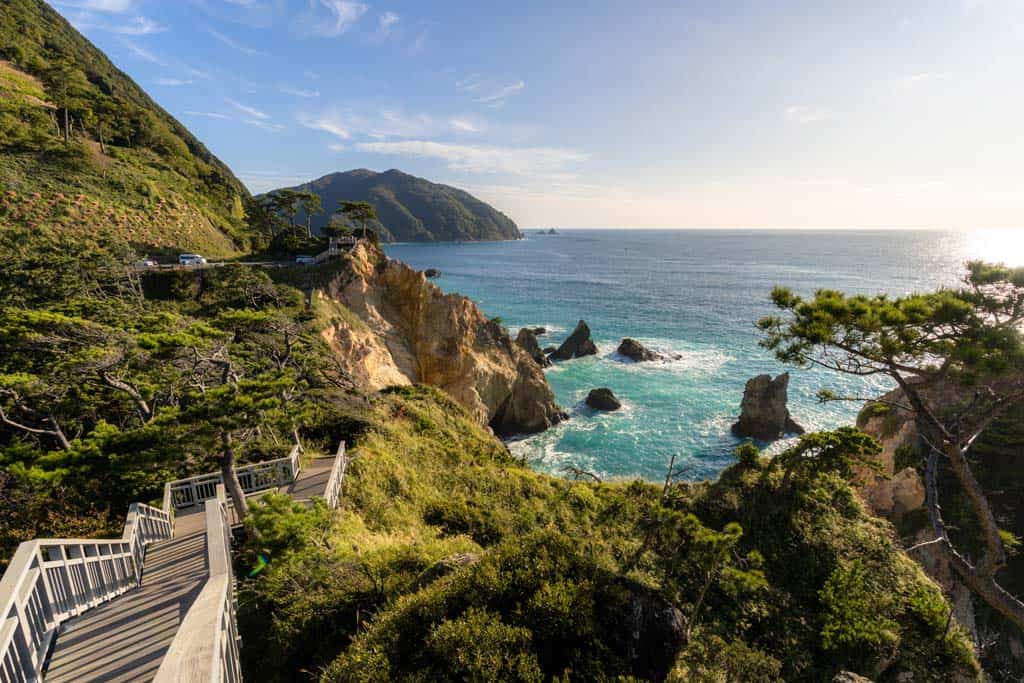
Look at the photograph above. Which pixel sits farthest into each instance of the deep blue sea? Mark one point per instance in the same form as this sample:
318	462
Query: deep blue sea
693	293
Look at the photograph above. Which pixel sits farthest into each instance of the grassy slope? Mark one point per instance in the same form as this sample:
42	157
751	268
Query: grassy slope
156	186
550	591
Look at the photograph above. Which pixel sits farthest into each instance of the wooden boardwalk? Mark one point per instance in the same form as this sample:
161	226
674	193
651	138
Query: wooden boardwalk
126	639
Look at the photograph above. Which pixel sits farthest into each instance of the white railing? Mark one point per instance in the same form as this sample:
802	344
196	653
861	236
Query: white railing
333	490
334	247
51	580
255	477
205	647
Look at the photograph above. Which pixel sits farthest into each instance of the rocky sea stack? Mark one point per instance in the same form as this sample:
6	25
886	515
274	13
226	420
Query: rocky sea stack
637	352
603	399
764	414
577	345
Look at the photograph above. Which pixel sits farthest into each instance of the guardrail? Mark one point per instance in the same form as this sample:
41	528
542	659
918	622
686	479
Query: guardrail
258	476
205	647
51	580
333	490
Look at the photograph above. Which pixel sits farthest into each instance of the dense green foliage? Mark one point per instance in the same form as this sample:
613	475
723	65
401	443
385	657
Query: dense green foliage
84	150
107	392
409	209
449	560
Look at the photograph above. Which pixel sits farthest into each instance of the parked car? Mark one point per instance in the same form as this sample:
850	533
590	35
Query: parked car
305	260
147	263
191	260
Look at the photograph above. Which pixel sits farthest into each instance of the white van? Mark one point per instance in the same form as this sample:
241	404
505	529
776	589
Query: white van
191	260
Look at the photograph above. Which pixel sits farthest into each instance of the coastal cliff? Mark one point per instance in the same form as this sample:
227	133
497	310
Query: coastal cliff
388	325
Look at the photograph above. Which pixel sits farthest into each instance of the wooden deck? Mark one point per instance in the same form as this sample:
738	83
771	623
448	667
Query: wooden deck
126	638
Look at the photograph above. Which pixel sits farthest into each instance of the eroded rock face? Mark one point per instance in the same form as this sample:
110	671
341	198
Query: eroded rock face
577	345
603	399
764	414
398	328
527	339
654	631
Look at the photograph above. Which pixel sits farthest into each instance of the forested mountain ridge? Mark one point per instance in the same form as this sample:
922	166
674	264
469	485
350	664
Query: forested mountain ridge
86	153
410	209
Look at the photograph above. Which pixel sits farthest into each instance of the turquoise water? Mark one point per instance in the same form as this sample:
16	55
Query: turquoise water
693	293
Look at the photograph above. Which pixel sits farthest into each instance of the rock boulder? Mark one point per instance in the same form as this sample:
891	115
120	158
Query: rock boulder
763	412
603	399
634	350
577	345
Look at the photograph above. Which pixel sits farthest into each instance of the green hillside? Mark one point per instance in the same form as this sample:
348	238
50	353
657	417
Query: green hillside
85	153
411	209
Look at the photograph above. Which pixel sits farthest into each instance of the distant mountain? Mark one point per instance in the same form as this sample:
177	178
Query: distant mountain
86	154
412	209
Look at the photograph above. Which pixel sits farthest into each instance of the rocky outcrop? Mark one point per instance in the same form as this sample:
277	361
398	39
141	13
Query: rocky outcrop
652	633
527	340
432	273
577	345
389	325
603	399
635	351
764	414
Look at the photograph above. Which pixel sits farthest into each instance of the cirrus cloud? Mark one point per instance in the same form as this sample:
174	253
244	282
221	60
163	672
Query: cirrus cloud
482	158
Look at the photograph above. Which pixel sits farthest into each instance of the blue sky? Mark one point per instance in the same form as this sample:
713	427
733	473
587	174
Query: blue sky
607	114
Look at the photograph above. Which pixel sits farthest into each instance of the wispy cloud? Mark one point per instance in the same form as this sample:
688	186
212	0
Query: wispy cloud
482	158
174	82
386	22
380	124
330	18
336	147
298	92
143	54
264	125
234	44
805	115
488	92
111	6
209	115
135	26
327	123
464	125
251	112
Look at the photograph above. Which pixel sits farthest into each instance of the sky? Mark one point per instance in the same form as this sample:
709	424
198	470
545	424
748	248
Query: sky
725	114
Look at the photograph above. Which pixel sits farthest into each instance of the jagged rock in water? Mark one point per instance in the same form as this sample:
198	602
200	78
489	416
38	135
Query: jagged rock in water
634	350
540	331
527	339
432	272
603	399
446	566
763	412
577	345
391	327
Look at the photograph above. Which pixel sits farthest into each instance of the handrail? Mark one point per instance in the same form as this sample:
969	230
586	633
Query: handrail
254	477
205	647
333	491
50	580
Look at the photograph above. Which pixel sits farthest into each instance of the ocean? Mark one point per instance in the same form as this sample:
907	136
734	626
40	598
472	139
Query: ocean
694	293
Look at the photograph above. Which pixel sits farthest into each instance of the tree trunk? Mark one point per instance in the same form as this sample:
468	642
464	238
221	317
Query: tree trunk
231	483
980	578
141	407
